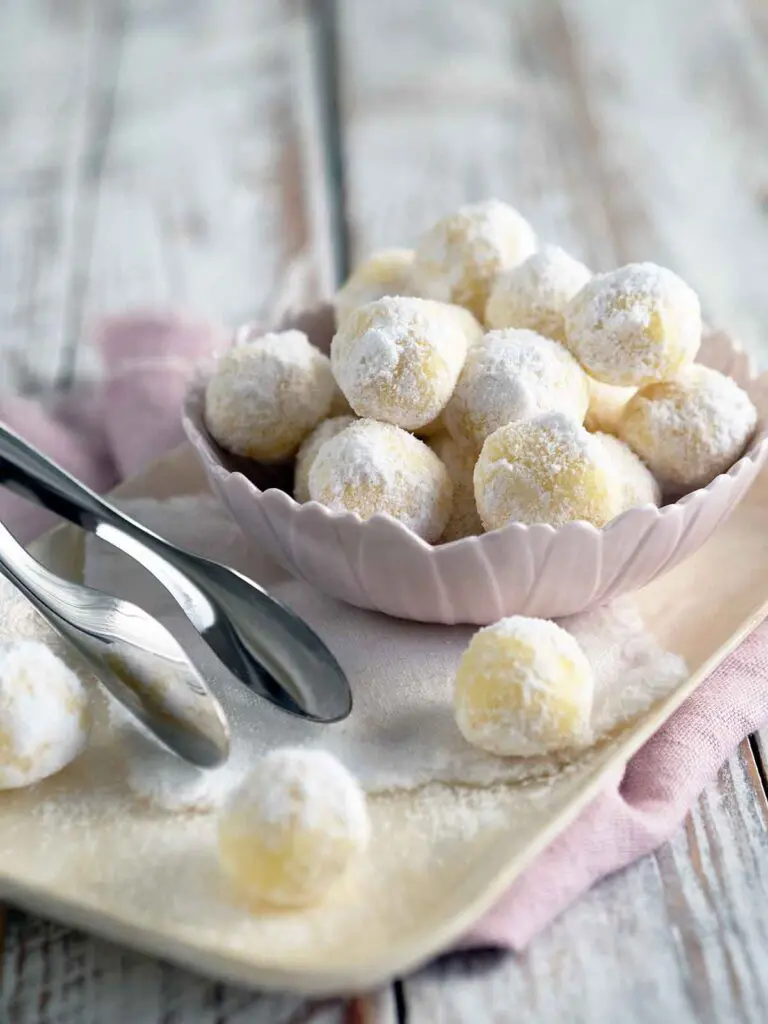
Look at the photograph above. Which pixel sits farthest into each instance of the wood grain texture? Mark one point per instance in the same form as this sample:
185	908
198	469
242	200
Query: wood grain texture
52	975
622	135
154	154
47	91
678	936
158	153
211	194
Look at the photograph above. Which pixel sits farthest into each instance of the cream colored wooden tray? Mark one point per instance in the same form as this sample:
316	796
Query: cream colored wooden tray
80	849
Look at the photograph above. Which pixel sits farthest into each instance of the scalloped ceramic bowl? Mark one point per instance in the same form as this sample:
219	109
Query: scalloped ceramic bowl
530	570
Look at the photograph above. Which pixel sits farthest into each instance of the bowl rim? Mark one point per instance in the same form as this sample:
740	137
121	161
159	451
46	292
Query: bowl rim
193	421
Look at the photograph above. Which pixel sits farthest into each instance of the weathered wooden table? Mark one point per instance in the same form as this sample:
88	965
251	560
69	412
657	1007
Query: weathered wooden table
211	153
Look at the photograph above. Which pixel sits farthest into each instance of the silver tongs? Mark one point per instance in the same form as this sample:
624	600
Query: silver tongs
259	640
133	655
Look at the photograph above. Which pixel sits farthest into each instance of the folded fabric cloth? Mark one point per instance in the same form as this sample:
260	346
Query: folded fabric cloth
115	431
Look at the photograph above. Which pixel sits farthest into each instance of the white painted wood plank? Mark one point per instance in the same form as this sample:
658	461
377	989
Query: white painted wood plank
52	975
684	131
680	936
211	193
55	976
153	155
443	110
46	82
622	134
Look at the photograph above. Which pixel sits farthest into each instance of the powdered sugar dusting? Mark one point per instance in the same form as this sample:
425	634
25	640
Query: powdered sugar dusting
294	827
545	470
535	294
398	359
638	484
458	259
631	671
524	687
689	429
374	467
513	375
267	393
43	713
307	453
634	325
386	272
402	732
308	790
162	781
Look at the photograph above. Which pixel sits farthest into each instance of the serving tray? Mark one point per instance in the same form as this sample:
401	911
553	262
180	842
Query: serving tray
81	849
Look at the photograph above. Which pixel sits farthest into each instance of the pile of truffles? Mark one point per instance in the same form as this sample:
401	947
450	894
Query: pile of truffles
479	380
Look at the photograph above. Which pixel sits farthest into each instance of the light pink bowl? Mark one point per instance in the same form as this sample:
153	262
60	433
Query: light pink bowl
530	570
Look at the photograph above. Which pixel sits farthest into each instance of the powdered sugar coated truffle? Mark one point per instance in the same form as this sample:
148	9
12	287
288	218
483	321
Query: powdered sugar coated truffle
524	687
375	467
470	325
638	324
43	714
637	482
535	293
689	429
387	272
512	375
459	460
20	620
267	393
397	359
458	259
307	453
293	828
606	405
544	470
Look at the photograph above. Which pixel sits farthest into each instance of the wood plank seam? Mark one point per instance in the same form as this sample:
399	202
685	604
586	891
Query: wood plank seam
327	71
111	25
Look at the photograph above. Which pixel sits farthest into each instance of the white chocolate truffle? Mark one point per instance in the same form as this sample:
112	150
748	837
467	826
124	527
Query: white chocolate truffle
459	460
43	714
397	359
635	325
513	375
470	325
386	272
545	470
266	394
307	453
536	293
374	467
523	688
293	828
689	429
20	620
475	335
459	258
638	484
606	405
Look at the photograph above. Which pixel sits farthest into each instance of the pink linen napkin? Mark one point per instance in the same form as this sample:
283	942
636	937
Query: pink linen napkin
104	435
